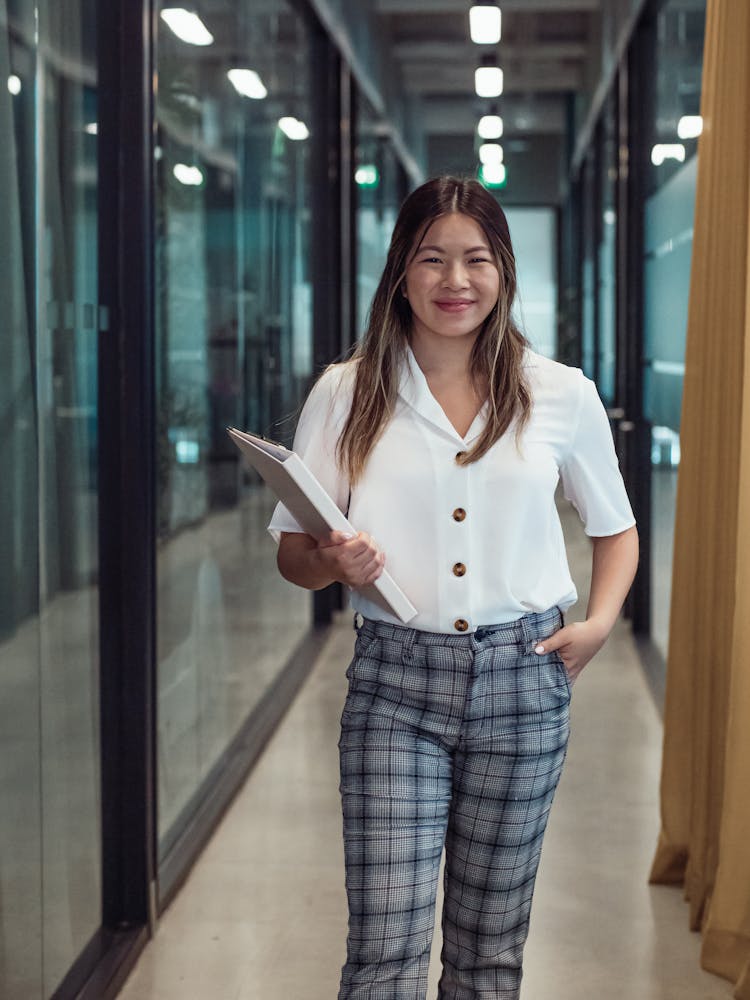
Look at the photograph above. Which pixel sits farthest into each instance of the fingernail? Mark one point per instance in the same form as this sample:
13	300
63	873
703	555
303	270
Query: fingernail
539	649
347	535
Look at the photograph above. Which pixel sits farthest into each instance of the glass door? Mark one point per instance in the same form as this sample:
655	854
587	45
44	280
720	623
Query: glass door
50	836
20	682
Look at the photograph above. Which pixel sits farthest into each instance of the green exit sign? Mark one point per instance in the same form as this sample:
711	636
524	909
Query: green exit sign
367	176
493	175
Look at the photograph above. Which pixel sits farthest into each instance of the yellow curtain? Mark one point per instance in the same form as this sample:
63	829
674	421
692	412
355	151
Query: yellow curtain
705	788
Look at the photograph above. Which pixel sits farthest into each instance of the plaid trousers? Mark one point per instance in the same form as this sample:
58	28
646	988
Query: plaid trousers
455	741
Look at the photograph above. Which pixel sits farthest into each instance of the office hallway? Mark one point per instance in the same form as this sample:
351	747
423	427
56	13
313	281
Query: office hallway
262	916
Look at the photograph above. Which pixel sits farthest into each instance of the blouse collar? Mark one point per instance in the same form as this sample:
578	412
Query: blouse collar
415	391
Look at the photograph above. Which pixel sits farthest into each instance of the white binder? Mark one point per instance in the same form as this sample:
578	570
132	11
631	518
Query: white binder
301	493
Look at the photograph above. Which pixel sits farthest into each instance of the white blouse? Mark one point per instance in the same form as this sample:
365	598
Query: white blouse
476	544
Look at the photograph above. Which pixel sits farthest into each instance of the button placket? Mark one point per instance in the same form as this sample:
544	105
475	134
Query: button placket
458	533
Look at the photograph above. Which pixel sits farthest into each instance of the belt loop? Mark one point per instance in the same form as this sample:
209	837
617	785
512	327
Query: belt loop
407	643
533	628
527	629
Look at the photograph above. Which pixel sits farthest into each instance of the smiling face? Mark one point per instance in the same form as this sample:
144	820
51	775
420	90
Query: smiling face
452	282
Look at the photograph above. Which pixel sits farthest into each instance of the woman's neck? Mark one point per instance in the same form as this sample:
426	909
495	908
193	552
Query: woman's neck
448	358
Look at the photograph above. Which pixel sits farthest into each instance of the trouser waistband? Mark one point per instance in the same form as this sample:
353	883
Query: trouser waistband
528	628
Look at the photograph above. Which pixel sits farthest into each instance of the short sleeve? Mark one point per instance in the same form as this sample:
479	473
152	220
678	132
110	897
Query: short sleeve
319	427
590	472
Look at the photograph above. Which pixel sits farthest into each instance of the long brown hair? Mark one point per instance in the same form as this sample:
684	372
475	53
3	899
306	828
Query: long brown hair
497	353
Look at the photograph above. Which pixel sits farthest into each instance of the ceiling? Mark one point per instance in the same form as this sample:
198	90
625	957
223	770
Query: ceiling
549	49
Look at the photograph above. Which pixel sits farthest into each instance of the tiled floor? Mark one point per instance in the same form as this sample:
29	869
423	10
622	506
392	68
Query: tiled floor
263	915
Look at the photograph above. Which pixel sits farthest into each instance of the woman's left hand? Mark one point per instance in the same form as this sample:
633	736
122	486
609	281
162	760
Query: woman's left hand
614	563
576	643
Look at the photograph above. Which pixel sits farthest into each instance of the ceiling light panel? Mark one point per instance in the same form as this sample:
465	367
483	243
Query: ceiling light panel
485	24
689	126
187	26
490	152
293	128
490	127
488	81
247	83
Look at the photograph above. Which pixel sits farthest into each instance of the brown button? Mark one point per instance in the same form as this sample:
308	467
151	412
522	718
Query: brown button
459	514
461	625
460	455
459	569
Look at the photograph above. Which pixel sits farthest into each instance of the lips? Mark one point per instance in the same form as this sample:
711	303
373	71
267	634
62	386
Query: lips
454	305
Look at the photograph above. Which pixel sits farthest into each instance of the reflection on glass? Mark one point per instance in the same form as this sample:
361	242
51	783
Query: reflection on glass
677	46
665	458
534	235
379	182
588	290
607	228
20	687
66	377
50	834
675	88
234	347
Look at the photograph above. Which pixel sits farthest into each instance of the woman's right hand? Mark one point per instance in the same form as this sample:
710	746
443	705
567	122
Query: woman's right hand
354	560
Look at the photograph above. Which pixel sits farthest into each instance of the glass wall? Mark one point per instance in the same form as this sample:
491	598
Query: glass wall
50	830
569	283
588	265
237	139
675	52
234	347
533	232
380	183
663	75
598	265
606	225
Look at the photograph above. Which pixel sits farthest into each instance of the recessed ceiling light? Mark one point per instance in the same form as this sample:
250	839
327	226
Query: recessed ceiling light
488	81
293	128
485	23
490	152
690	126
667	151
490	127
189	175
247	83
187	26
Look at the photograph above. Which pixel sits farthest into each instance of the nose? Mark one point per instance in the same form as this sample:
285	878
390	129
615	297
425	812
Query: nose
456	275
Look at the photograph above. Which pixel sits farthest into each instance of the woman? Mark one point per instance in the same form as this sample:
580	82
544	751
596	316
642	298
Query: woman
444	438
